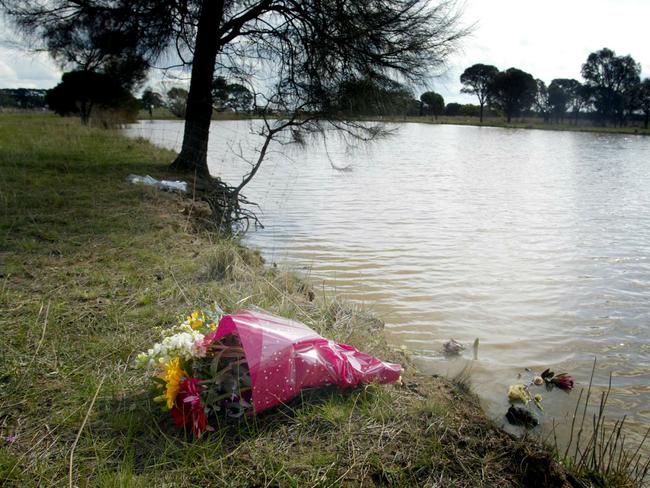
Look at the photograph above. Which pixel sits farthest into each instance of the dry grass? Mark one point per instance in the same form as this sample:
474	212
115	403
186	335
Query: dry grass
597	449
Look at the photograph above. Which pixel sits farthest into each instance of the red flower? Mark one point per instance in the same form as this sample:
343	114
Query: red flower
188	408
563	382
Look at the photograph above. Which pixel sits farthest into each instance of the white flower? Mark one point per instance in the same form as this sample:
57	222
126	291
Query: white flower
186	345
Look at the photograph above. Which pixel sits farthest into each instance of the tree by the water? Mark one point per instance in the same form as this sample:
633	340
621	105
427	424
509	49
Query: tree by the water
612	80
542	100
150	100
563	94
434	103
233	96
303	51
644	100
476	80
513	91
177	101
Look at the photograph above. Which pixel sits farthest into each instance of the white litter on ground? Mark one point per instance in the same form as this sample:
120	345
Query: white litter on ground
160	184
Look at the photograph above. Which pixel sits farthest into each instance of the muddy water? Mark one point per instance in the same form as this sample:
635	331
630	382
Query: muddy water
537	243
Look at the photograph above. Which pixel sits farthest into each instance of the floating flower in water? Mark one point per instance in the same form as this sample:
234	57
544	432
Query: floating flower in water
518	394
188	408
563	382
453	347
538	380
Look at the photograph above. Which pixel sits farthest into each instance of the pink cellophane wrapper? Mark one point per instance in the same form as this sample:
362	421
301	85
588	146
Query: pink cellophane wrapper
285	356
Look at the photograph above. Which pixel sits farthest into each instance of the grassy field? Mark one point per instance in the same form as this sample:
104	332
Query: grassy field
90	264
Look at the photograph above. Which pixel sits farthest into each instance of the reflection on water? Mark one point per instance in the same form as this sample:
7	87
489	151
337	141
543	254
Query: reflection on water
536	242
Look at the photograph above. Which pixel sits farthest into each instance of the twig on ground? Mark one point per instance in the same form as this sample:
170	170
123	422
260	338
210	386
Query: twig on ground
83	424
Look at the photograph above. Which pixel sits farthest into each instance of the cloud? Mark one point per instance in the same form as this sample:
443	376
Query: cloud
549	40
6	73
27	70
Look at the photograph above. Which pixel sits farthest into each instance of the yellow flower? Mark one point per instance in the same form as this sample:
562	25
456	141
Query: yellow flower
196	320
518	393
172	375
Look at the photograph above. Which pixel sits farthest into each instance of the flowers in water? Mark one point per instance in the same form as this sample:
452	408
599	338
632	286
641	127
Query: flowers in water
518	394
563	382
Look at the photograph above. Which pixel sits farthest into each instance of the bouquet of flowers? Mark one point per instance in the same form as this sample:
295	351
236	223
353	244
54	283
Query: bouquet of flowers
198	375
248	362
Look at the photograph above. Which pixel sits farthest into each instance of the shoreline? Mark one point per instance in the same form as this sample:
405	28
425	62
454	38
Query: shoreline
637	131
91	264
526	124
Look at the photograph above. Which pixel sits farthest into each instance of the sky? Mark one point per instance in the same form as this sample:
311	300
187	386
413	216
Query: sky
549	39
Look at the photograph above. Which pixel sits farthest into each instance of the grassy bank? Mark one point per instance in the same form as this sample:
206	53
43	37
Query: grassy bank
89	265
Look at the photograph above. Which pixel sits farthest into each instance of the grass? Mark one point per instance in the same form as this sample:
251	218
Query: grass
89	265
599	452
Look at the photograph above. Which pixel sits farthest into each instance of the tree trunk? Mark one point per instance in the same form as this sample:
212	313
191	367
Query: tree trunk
194	152
481	113
646	120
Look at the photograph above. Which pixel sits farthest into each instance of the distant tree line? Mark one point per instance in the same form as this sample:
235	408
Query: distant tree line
612	91
226	97
22	98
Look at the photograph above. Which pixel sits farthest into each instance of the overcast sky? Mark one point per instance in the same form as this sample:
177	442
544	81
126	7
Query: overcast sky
549	39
